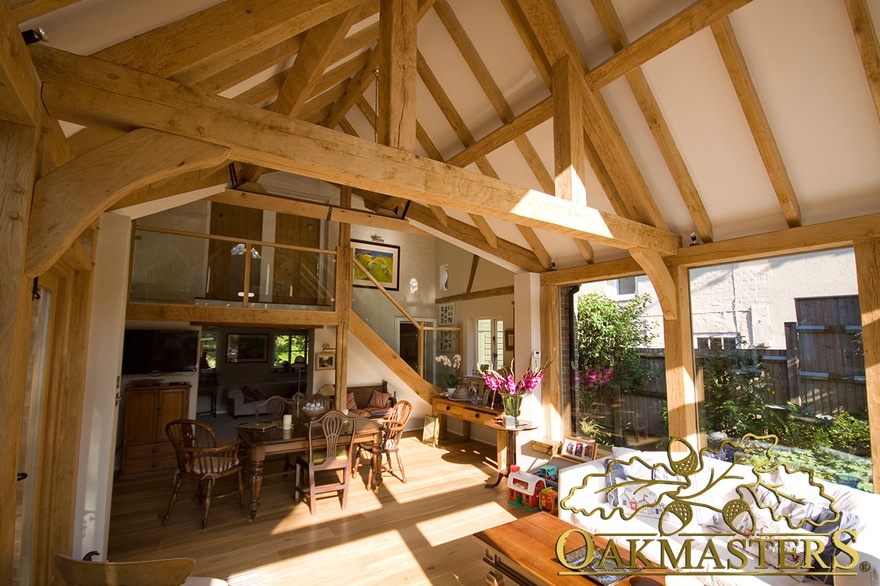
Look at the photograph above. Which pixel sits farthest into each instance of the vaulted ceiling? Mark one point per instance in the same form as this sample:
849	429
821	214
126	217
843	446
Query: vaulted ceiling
658	119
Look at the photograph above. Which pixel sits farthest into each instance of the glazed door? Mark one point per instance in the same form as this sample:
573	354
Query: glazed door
43	322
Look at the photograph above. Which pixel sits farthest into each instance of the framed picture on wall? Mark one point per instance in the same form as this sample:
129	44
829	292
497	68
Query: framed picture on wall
247	347
508	339
325	361
382	261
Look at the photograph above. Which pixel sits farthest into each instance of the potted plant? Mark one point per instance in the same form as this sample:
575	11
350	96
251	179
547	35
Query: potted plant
450	378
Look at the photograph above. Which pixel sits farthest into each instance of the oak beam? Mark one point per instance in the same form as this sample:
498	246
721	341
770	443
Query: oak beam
674	30
660	278
537	114
183	183
569	152
482	294
682	395
467	234
70	198
87	90
397	74
235	28
867	253
869	48
20	101
657	123
552	33
757	120
18	149
23	10
306	209
235	316
344	276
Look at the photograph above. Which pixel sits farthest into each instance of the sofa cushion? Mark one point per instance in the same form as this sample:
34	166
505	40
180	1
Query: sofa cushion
378	399
252	394
350	402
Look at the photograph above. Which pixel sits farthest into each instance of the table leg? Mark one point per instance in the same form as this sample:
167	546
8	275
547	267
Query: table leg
502	447
256	485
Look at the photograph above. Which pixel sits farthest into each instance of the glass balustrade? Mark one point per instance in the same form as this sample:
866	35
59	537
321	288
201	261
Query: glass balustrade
191	269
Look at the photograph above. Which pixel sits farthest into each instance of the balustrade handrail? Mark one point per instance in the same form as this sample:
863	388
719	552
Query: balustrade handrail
248	242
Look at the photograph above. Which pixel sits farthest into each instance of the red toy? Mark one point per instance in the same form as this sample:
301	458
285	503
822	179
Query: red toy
524	489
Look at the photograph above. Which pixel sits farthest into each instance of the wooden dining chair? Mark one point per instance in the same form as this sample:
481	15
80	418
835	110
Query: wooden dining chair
199	458
272	409
165	572
392	431
336	431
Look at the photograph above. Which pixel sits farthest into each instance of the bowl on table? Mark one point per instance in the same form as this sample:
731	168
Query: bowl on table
313	410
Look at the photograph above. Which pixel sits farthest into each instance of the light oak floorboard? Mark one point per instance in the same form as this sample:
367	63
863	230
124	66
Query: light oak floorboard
414	533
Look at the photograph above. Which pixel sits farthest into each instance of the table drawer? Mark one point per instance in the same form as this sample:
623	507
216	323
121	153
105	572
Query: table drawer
462	412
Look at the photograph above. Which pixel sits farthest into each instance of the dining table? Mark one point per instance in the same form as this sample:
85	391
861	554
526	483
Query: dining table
262	440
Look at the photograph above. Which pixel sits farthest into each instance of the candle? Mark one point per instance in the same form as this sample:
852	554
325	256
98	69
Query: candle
286	421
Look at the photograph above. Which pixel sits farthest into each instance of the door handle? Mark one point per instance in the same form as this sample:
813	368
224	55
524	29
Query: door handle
21	476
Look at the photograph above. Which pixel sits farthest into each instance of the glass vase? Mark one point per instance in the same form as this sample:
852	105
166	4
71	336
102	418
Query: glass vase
512	406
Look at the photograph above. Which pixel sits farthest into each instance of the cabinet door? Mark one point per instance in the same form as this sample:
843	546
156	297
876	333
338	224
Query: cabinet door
173	404
140	416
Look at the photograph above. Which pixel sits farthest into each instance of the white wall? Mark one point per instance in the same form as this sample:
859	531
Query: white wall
753	298
99	418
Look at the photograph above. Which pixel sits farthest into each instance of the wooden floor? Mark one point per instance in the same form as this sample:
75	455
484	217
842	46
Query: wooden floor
414	533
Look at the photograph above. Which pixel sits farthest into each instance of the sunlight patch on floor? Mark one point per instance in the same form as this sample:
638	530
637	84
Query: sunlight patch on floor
444	528
249	578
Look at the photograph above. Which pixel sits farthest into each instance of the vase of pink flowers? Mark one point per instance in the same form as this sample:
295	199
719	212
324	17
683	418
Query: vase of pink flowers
512	391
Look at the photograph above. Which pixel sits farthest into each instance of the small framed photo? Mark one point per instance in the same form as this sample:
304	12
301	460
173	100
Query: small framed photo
325	361
579	449
247	348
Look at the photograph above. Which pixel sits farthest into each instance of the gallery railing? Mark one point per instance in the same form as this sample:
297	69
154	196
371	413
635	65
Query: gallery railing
177	266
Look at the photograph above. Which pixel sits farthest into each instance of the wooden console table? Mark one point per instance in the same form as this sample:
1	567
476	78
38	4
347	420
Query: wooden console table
469	413
524	552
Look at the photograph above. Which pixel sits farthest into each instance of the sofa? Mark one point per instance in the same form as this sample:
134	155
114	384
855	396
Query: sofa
673	499
243	399
370	400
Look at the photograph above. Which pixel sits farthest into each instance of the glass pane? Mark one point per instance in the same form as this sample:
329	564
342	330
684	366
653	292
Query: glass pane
27	459
795	369
169	268
616	384
484	344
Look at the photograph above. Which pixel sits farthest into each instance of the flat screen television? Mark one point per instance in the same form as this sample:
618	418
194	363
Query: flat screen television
160	351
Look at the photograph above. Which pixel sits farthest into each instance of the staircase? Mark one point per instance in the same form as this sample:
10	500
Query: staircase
390	358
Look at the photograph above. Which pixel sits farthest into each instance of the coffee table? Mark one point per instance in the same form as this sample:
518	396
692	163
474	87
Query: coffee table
524	552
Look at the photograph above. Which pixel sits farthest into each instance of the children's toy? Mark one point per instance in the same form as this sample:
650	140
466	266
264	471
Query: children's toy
548	500
549	472
524	489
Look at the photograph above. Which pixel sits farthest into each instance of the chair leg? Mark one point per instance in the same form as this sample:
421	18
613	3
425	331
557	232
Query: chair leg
400	465
173	498
346	477
370	474
207	504
297	482
312	491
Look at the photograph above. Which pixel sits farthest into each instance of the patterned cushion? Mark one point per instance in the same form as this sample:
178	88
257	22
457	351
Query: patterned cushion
251	394
350	403
378	399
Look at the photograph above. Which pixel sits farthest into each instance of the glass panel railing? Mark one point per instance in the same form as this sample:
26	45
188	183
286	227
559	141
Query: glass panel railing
295	279
170	267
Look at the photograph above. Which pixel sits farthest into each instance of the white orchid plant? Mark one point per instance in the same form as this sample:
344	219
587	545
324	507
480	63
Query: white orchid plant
453	363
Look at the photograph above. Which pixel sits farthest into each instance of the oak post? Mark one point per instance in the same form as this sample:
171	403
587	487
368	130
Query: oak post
343	302
867	254
19	148
683	396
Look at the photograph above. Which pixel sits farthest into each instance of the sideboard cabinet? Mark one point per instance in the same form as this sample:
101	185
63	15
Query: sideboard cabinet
147	410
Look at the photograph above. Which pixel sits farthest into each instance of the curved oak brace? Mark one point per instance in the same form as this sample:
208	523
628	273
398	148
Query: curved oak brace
661	278
72	196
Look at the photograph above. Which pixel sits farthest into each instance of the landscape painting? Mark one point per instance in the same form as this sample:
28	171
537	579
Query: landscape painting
382	261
